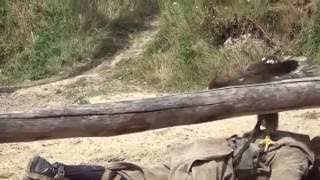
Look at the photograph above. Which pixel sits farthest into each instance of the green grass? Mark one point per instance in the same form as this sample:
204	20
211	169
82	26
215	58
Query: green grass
187	66
308	42
40	39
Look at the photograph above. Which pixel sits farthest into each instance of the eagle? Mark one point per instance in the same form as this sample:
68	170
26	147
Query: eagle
269	69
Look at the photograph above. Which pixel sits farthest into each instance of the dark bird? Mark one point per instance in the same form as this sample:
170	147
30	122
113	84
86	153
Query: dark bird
268	69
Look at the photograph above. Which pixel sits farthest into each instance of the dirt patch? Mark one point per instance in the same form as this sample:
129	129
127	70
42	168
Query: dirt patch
310	115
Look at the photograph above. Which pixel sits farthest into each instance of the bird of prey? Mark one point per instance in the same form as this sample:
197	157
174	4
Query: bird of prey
268	69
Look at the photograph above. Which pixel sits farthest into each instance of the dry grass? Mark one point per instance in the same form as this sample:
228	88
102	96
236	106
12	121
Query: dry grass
189	50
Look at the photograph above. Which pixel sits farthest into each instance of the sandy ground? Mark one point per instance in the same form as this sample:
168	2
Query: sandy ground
147	148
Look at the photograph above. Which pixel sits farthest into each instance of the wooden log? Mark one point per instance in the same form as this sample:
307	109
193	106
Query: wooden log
125	117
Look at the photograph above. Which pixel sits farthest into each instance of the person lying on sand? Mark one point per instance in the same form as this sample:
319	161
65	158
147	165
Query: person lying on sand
290	157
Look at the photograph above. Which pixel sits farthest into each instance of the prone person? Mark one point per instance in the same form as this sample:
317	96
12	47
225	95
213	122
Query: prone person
289	158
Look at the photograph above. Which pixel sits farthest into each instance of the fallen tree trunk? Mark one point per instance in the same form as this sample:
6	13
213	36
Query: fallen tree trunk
118	118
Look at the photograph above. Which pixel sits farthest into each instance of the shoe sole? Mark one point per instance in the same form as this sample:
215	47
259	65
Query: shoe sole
34	176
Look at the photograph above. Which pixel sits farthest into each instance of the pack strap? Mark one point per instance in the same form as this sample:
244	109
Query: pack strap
119	168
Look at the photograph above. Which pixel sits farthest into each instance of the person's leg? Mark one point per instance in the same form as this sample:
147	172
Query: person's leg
289	163
40	169
83	172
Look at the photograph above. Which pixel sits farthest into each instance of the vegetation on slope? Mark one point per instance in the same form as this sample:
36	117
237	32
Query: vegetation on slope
41	39
189	49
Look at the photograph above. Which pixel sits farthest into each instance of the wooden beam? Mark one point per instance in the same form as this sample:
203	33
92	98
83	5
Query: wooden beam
125	117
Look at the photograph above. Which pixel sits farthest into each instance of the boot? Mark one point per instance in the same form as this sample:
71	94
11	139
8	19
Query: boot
40	169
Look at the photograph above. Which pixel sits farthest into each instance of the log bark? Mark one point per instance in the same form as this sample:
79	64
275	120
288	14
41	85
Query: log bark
102	120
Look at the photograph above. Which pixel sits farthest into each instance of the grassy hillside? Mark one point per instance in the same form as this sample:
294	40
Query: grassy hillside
43	38
189	50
